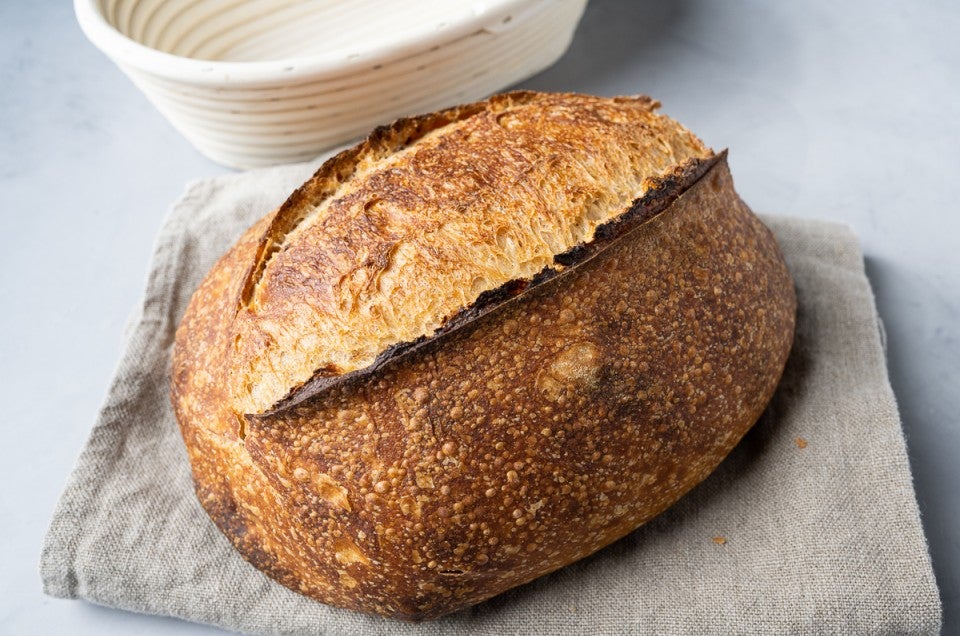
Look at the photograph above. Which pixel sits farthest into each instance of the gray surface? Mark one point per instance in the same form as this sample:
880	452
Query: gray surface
846	111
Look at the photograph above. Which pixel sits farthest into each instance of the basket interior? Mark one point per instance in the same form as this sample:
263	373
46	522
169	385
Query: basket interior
267	30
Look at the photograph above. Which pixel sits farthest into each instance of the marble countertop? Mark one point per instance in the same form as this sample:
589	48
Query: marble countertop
847	111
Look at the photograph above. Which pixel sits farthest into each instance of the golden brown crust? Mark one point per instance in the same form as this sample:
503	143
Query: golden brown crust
527	438
390	239
662	193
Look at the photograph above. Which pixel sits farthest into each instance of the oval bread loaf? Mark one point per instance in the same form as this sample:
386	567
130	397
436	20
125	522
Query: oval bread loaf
477	347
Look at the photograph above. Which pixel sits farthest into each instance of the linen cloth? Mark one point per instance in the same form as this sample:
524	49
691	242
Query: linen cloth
809	526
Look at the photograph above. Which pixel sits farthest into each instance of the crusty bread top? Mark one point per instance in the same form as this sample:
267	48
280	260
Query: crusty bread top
391	239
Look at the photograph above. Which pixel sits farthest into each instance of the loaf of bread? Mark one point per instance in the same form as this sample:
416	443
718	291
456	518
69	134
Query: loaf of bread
480	345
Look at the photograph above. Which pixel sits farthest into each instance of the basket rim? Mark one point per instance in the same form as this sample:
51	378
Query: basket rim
130	54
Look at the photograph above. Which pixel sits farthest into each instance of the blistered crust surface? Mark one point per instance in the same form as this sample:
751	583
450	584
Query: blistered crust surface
426	217
527	440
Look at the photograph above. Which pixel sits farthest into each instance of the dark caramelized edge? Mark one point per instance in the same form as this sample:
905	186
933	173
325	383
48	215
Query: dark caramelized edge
665	190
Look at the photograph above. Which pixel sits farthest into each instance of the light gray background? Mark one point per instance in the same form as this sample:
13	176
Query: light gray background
841	110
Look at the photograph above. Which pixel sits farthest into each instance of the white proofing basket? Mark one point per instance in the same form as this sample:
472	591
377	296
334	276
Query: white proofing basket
260	82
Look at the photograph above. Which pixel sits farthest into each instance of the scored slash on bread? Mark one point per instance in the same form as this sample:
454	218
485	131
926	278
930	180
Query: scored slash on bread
479	346
663	191
389	240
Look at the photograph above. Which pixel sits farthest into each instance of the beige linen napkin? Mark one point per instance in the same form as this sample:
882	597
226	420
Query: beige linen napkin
810	526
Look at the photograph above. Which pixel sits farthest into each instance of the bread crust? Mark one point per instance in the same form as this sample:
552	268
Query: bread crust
388	240
661	195
539	424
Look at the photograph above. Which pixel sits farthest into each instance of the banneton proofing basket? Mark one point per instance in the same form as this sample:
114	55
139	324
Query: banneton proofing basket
260	82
